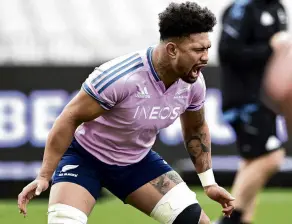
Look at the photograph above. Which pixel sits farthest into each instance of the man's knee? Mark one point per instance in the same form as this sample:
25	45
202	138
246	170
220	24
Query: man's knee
178	206
266	165
191	215
65	214
277	157
272	161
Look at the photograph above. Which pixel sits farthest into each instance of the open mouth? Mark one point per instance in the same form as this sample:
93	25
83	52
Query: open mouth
196	70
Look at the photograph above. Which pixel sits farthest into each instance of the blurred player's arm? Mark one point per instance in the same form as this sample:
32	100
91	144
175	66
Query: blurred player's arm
80	109
197	139
234	46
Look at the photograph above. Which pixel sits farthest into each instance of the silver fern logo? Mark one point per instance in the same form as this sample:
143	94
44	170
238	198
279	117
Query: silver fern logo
69	167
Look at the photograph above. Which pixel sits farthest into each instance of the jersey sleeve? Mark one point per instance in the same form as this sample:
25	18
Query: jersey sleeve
198	94
106	91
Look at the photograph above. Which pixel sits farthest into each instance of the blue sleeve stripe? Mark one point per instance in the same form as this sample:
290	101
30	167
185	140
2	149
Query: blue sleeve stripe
89	92
114	67
131	63
120	76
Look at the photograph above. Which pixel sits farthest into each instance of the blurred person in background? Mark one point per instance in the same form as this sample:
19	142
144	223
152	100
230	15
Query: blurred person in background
244	50
104	136
278	77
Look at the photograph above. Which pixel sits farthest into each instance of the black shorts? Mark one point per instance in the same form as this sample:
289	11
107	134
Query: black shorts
255	128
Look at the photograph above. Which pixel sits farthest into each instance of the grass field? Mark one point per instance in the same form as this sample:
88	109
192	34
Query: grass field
274	207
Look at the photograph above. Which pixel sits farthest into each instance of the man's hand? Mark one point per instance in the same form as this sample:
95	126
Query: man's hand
220	195
35	188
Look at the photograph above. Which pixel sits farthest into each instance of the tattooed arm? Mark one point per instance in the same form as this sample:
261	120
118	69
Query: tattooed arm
197	139
198	143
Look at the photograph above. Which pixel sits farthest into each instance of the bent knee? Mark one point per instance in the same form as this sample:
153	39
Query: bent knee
278	156
178	206
65	214
190	215
274	160
204	219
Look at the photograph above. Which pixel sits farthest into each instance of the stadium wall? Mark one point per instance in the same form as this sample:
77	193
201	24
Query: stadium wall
32	97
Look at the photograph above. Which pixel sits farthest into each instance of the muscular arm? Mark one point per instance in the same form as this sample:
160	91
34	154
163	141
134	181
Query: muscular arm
197	139
80	109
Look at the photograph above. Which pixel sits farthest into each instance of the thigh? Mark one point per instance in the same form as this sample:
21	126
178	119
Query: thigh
76	180
146	197
123	180
72	194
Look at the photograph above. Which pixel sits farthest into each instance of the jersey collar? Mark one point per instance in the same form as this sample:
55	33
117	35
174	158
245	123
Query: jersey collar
149	59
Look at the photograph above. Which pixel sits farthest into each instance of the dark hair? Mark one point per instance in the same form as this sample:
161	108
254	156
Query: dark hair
181	20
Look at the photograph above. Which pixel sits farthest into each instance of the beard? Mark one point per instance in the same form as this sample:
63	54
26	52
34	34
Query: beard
189	79
191	76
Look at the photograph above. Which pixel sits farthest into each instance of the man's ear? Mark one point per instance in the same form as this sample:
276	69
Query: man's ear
171	49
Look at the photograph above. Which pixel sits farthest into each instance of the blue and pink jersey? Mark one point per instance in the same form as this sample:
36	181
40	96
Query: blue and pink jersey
138	106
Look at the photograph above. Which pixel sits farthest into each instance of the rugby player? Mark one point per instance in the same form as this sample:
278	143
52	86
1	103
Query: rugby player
103	137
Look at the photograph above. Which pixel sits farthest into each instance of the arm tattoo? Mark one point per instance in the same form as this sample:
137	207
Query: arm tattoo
166	181
199	152
198	143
